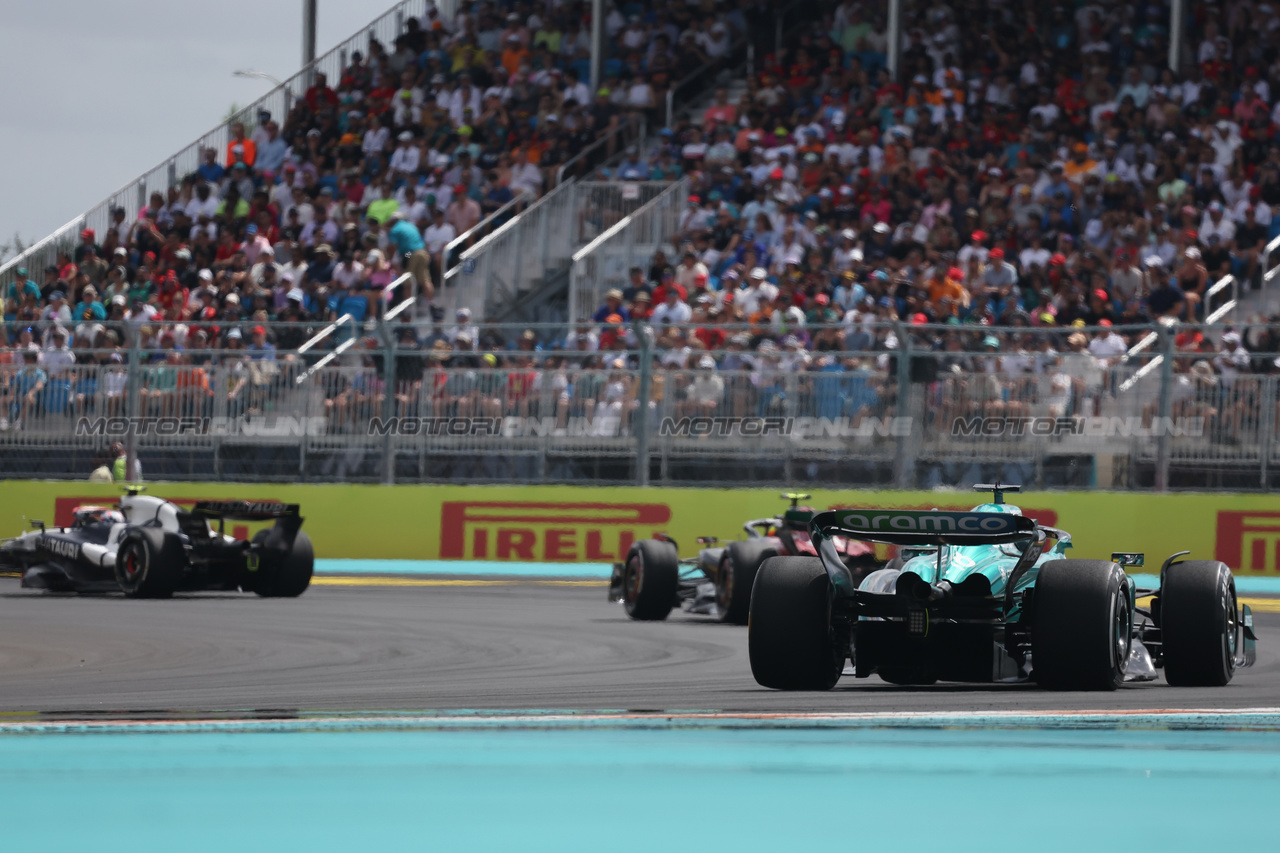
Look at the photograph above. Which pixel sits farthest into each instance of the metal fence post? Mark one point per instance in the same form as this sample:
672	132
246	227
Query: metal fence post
1166	407
131	408
543	225
641	425
520	271
388	404
1267	437
902	476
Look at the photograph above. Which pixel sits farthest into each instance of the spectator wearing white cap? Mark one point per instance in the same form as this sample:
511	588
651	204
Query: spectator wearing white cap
1233	359
463	328
758	292
1224	140
1215	222
705	393
846	254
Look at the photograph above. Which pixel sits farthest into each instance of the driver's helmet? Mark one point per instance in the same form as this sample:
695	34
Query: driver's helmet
96	514
1007	509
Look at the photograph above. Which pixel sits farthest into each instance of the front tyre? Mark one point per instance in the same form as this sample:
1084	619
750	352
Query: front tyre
650	580
149	563
789	636
1083	625
736	576
1199	626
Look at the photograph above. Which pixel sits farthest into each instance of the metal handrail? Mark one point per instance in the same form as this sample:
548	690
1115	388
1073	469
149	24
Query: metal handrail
337	351
492	236
692	75
1269	272
398	310
397	12
483	223
390	288
1141	345
1219	286
604	236
1140	373
325	332
744	41
626	125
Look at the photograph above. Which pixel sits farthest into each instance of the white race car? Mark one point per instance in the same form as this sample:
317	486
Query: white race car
150	548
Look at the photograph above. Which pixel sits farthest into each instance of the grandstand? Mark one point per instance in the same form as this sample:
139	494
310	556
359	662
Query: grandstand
1010	212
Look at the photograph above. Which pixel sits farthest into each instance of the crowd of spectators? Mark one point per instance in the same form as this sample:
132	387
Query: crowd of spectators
1032	167
310	215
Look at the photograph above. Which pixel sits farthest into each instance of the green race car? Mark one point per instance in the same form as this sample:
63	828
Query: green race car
988	596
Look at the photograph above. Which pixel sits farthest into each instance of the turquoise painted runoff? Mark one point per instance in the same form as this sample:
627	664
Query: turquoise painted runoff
1244	585
479	568
620	788
482	568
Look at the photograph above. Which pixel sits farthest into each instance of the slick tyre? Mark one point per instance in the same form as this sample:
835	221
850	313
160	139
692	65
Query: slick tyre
1199	625
789	638
736	576
650	579
149	563
286	577
1083	625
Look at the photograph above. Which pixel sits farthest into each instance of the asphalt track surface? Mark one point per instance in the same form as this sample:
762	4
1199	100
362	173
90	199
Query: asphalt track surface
406	644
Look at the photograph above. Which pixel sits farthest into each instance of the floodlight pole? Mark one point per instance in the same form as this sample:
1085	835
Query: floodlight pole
597	44
895	38
308	32
1177	21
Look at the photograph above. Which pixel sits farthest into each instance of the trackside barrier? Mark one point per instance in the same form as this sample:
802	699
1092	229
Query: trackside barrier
597	525
393	400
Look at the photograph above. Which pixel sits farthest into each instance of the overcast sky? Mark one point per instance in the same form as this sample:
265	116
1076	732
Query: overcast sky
96	93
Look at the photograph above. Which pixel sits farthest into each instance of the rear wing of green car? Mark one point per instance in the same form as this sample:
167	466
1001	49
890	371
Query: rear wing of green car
922	528
915	528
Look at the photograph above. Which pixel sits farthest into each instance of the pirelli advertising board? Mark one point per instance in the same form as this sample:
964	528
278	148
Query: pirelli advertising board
585	524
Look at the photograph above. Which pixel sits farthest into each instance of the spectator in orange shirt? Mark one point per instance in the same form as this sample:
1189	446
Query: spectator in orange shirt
721	112
1080	164
240	149
514	54
946	294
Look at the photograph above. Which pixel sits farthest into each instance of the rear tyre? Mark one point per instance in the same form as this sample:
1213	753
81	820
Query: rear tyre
286	577
789	636
650	580
1083	625
736	576
1198	624
149	563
